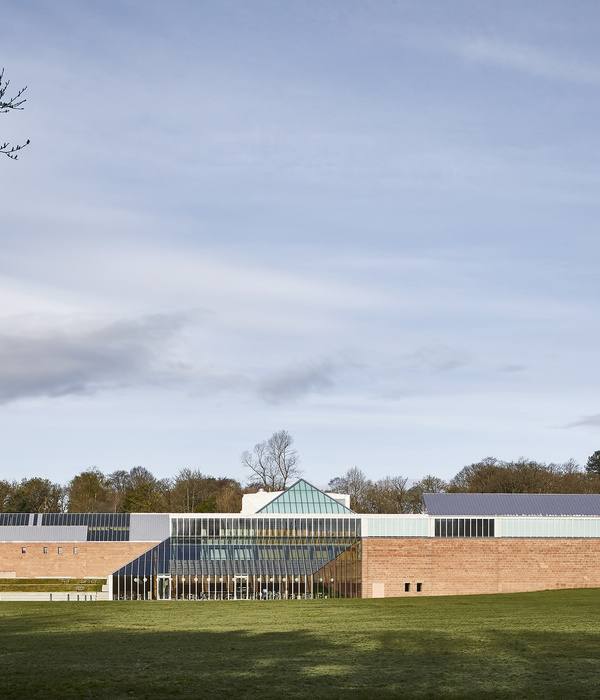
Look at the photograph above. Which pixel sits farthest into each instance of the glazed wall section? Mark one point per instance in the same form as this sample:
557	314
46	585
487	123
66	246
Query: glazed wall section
472	566
92	560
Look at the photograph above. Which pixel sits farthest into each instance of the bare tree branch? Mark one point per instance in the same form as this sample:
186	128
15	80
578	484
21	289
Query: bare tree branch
6	105
274	462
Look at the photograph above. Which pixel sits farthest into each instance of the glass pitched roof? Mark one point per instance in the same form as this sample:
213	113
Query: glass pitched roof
304	498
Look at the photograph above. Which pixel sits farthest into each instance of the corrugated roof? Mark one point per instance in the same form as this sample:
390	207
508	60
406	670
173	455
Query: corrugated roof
512	504
38	533
149	527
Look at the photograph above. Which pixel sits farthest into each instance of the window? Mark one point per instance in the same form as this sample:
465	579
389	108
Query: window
60	550
419	587
45	550
464	527
23	550
74	550
407	587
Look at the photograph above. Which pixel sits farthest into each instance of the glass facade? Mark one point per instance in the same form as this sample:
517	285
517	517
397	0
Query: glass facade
304	498
258	558
396	526
549	527
12	519
102	527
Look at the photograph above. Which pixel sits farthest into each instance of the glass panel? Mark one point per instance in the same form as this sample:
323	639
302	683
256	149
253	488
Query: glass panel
303	498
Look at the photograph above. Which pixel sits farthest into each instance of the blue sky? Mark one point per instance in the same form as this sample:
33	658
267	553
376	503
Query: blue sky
374	225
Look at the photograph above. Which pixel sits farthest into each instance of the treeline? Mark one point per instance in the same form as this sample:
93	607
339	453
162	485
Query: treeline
190	491
133	491
393	494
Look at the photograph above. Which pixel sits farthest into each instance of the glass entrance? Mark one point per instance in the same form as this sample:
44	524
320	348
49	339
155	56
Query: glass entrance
240	588
163	587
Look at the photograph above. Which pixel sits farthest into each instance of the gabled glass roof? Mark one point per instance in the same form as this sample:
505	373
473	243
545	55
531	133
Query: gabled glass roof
304	498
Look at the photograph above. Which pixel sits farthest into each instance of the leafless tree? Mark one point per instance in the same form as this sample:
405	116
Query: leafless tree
428	484
273	462
356	485
389	495
6	105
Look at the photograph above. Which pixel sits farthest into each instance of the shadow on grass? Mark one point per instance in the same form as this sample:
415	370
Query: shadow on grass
149	663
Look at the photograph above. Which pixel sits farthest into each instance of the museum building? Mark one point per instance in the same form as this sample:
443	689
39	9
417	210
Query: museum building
305	543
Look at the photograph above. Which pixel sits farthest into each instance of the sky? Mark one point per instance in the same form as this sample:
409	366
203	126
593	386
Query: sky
371	224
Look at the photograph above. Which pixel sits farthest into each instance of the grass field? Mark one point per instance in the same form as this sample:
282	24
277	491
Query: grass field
529	645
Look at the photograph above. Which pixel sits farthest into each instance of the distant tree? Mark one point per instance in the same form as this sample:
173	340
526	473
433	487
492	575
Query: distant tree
272	463
119	483
476	475
522	476
144	493
229	496
90	492
8	104
17	502
36	495
193	492
207	506
189	489
356	485
428	484
592	466
6	489
389	495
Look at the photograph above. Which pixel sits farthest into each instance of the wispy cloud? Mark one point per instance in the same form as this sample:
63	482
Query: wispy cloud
593	421
527	59
71	359
299	379
86	356
440	358
512	369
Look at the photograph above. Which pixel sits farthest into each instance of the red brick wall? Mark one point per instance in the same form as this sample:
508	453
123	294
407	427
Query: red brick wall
463	566
93	559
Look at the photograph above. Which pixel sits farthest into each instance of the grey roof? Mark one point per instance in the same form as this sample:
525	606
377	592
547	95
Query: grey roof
512	504
149	527
38	533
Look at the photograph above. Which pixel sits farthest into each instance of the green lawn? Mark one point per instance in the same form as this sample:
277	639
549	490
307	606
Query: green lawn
529	645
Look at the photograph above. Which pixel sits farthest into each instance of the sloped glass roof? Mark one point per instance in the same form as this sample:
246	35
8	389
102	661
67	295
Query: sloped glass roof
304	498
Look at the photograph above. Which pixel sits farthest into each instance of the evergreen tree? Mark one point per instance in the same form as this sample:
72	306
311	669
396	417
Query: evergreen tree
592	466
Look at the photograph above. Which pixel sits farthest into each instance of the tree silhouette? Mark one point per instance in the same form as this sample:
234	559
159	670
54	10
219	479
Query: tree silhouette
8	104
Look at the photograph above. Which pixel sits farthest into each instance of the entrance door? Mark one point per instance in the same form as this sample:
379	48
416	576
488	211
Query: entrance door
240	587
163	587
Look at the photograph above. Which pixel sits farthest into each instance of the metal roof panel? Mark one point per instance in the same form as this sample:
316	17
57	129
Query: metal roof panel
486	504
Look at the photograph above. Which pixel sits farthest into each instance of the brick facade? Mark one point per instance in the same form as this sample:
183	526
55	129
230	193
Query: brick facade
442	566
92	560
468	566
